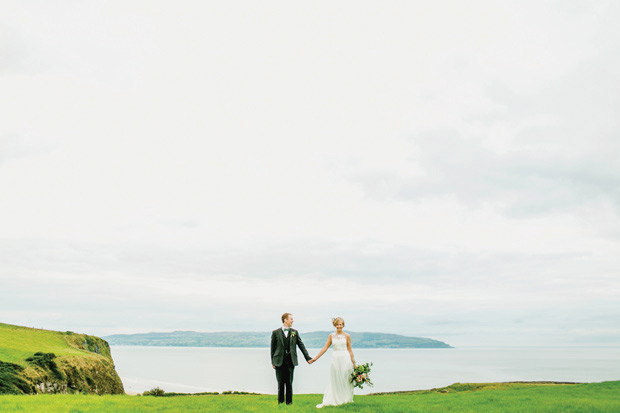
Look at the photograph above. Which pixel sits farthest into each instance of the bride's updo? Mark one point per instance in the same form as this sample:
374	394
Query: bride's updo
338	320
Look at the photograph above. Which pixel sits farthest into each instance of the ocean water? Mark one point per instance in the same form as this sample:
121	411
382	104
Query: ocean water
200	369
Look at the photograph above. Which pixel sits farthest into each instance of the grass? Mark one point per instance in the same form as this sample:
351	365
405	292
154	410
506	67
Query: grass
18	343
492	397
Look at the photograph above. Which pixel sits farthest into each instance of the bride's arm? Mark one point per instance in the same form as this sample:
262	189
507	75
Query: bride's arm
350	350
324	349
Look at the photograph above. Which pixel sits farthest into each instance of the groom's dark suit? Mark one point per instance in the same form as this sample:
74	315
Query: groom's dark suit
284	359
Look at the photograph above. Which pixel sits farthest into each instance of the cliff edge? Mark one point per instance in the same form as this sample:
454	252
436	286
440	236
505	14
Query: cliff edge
36	361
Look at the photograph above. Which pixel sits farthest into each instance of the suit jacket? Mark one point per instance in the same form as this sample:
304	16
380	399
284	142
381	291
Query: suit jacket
277	347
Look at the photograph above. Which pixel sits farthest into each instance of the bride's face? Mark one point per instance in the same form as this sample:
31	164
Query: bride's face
339	325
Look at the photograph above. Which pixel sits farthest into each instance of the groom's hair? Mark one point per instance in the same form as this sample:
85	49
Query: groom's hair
285	316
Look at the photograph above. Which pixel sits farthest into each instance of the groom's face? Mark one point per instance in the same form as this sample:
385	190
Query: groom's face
289	321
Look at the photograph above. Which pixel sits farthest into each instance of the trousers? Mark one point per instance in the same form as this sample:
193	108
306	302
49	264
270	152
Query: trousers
284	375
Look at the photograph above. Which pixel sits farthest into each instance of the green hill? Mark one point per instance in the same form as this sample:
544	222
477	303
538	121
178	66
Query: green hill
43	361
314	339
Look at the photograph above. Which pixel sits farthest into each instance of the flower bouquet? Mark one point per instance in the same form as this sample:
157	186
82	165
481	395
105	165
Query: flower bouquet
361	375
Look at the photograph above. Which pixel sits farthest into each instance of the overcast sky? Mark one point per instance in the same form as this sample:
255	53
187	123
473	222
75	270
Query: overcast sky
443	169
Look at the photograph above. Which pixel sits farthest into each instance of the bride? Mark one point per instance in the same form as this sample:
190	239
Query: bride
339	387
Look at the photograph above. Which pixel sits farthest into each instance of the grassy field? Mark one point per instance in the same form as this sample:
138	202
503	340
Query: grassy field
515	397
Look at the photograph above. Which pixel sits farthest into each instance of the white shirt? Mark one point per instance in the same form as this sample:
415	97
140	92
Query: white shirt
285	332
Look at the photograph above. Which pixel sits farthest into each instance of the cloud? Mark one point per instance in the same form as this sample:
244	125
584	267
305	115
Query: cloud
548	151
444	170
536	148
13	147
521	183
412	292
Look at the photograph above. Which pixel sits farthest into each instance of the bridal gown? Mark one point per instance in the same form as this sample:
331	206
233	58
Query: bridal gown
339	387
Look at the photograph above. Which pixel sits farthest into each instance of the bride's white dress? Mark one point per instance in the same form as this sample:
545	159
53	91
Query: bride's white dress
339	387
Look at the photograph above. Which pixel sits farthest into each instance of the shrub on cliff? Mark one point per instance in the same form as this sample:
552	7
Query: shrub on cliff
10	382
46	362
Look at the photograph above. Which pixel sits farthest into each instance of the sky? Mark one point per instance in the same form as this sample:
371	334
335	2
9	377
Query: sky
440	169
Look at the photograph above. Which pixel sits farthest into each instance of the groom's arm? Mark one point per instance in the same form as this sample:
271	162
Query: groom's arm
273	347
301	346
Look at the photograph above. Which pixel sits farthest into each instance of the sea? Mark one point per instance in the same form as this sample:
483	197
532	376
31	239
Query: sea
204	369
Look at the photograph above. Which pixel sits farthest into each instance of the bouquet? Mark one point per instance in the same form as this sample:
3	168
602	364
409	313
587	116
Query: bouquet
361	375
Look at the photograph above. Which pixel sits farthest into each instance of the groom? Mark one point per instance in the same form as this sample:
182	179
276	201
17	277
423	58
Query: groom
284	356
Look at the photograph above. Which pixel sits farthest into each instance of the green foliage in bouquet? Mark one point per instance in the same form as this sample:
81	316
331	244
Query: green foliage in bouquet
361	376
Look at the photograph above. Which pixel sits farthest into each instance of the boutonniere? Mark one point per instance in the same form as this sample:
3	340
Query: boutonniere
292	334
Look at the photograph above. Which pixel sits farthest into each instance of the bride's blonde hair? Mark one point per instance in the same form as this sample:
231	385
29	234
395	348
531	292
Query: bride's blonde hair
338	320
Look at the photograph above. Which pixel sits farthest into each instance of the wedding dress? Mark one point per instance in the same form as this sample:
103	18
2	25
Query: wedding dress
339	387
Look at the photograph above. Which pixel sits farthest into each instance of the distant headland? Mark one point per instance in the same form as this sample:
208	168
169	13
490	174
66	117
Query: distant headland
315	339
